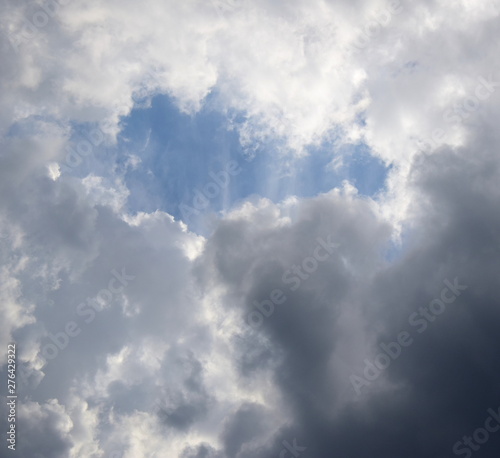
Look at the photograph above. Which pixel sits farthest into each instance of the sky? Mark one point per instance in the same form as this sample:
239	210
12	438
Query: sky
249	228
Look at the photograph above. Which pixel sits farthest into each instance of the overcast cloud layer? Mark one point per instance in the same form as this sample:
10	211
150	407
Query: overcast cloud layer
339	325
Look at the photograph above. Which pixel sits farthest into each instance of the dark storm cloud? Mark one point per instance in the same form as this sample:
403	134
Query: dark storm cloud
302	332
440	387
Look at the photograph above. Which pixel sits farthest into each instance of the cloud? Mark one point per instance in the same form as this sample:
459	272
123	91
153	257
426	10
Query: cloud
153	353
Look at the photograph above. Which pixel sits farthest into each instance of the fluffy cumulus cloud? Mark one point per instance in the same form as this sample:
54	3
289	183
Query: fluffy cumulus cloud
337	325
